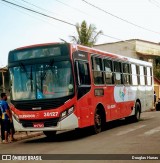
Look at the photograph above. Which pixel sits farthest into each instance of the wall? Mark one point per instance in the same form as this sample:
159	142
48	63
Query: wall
123	48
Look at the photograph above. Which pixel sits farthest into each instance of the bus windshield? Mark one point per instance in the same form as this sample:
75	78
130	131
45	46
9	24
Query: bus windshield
42	81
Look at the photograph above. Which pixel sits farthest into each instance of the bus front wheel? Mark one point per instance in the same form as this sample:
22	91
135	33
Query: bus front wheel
97	127
49	134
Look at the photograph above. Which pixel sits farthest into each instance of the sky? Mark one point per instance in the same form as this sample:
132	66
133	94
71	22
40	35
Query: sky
119	20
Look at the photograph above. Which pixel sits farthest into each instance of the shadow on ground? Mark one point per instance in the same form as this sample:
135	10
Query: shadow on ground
81	133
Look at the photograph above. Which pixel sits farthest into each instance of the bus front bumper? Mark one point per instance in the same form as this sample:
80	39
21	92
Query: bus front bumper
69	123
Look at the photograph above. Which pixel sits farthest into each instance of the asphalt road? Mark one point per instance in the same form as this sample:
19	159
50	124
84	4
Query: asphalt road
120	137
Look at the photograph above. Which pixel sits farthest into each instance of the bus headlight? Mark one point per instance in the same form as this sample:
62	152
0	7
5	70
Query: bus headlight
66	113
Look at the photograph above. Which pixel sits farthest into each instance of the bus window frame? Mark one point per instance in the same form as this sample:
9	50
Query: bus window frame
142	75
95	70
126	73
149	76
107	72
118	72
134	74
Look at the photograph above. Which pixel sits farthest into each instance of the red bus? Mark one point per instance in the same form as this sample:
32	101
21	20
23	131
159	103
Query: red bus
62	86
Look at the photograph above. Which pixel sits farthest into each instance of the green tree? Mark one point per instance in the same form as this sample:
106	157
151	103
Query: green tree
86	35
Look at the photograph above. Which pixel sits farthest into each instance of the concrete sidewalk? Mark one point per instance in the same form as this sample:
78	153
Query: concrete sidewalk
25	135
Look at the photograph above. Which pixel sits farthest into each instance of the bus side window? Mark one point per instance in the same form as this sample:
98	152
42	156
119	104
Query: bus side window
142	81
126	73
138	74
84	75
117	72
108	71
134	74
149	76
97	70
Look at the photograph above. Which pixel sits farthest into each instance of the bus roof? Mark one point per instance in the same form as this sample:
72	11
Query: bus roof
92	51
37	45
113	55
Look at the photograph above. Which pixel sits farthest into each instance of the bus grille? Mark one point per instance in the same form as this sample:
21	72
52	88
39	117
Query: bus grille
44	104
47	122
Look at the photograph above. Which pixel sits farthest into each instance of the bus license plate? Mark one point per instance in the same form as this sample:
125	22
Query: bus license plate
38	125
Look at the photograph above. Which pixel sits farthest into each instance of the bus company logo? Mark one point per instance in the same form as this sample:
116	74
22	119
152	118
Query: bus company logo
122	93
37	108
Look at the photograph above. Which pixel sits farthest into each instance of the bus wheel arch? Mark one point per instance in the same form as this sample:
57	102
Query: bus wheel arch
99	119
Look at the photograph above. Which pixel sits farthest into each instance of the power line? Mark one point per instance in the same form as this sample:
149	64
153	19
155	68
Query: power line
40	13
154	2
32	16
124	20
115	38
76	9
43	9
34	5
69	23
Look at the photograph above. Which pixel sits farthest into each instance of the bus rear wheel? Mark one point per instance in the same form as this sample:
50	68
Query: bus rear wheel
137	115
49	134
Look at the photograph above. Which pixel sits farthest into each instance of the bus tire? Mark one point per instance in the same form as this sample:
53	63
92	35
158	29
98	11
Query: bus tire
97	127
49	134
137	115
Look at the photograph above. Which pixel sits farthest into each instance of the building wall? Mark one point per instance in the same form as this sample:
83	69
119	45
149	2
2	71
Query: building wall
147	48
126	48
135	48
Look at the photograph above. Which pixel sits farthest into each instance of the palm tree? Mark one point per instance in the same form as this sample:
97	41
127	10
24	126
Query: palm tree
86	35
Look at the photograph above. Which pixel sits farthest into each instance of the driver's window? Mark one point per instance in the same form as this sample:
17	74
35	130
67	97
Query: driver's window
84	76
